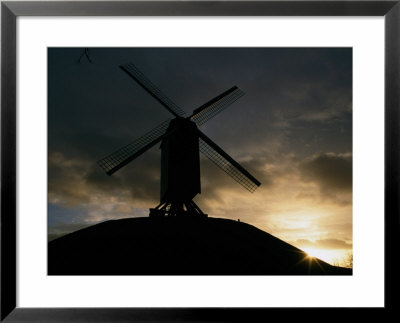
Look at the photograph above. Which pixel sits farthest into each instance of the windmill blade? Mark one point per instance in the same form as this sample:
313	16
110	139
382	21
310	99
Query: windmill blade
126	154
208	110
154	91
227	163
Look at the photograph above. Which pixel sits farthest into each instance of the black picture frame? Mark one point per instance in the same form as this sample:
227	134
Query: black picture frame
10	10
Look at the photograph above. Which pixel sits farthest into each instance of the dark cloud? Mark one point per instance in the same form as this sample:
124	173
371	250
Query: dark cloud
74	181
215	179
332	172
96	107
66	180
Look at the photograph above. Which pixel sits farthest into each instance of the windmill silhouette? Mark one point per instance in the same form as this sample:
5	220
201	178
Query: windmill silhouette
181	141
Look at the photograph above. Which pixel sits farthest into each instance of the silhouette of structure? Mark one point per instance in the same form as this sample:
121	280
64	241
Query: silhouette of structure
181	141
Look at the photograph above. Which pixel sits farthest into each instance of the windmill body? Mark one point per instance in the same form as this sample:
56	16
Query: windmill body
180	162
181	141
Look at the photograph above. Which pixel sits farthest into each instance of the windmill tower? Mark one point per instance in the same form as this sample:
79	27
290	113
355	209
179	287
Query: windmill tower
181	141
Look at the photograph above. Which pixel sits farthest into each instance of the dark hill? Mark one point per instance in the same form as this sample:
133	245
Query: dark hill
179	246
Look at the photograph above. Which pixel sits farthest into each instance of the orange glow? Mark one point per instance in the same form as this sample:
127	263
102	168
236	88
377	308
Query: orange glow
333	257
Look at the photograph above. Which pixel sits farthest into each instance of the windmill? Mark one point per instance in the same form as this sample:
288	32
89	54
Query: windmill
181	141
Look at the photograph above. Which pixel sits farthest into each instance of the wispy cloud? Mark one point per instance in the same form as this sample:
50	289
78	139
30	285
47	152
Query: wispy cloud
324	243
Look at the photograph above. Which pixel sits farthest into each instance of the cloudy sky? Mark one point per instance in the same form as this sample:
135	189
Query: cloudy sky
292	130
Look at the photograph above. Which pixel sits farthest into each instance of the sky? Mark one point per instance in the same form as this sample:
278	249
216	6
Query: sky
292	130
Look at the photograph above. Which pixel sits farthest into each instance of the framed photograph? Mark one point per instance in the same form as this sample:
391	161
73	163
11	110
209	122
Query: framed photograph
197	161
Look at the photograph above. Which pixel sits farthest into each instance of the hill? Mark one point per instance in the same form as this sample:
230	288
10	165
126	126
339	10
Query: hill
179	246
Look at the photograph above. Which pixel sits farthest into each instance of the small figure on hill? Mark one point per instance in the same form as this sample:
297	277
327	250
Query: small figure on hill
86	53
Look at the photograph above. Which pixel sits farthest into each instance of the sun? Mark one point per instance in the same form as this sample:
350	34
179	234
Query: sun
328	255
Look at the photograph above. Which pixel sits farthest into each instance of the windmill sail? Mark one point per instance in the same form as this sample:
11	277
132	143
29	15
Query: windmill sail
227	163
126	154
181	143
208	110
154	91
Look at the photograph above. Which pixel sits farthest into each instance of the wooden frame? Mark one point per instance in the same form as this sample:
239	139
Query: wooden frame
10	10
